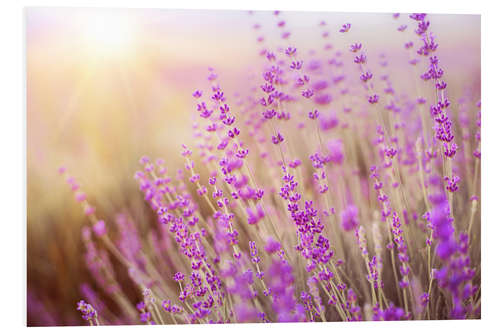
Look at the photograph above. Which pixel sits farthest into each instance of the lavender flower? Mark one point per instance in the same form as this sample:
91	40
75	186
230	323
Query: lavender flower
364	212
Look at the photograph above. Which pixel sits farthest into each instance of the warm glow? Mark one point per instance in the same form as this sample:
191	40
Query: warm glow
108	34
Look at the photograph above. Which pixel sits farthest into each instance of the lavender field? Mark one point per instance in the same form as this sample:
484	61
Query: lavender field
194	167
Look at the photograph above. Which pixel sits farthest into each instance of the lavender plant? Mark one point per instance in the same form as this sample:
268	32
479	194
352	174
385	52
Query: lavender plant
315	193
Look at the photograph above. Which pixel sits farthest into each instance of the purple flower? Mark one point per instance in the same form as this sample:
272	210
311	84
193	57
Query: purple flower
366	76
99	228
355	47
178	277
290	51
296	65
360	59
418	16
87	311
145	317
140	306
278	138
280	280
80	196
367	166
323	99
373	99
313	114
308	93
269	114
272	245
327	122
255	217
336	151
452	185
349	218
345	27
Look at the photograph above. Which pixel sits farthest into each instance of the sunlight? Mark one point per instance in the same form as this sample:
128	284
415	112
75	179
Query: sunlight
107	34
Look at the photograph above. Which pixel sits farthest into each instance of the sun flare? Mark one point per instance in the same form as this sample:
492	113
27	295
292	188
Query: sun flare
107	34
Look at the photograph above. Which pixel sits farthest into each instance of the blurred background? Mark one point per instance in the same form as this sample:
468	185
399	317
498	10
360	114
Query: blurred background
106	86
